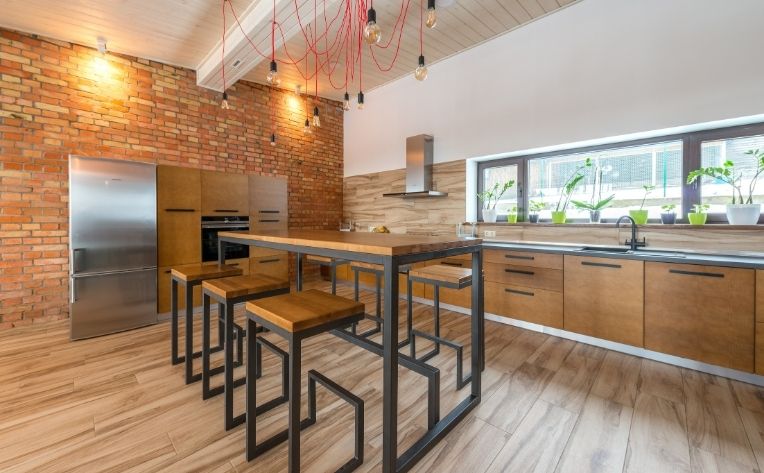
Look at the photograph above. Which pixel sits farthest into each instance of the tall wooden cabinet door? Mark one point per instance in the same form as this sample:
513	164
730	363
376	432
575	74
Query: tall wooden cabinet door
604	298
704	313
268	203
179	202
759	356
224	194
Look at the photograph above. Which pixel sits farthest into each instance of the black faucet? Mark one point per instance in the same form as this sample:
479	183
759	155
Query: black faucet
633	242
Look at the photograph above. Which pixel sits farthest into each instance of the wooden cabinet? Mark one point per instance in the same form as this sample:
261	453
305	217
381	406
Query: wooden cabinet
704	313
179	204
524	276
759	337
163	287
274	265
534	305
224	194
268	203
524	258
604	298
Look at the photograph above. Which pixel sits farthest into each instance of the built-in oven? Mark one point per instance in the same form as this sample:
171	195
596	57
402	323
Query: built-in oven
210	228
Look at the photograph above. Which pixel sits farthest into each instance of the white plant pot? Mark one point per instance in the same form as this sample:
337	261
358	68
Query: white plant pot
743	214
489	215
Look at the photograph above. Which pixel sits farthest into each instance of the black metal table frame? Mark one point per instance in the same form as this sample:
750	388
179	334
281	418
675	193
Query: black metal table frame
391	358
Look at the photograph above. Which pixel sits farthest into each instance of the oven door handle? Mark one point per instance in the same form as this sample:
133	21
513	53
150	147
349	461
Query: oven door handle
224	227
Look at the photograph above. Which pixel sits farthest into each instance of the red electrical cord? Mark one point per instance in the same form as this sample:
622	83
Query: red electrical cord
222	54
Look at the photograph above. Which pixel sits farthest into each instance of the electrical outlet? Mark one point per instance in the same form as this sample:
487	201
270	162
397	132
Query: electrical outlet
489	233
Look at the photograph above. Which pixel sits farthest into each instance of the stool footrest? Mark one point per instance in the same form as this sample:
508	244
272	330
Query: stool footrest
438	341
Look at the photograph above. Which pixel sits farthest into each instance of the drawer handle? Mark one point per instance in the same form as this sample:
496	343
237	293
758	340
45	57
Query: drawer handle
448	263
270	261
531	258
226	210
232	264
520	271
522	293
601	265
269	211
696	273
180	210
269	221
167	271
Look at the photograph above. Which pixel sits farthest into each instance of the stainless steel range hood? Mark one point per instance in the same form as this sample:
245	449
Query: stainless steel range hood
418	169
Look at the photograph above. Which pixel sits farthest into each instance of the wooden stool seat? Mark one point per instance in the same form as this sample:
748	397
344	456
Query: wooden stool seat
441	273
377	267
300	311
240	286
195	273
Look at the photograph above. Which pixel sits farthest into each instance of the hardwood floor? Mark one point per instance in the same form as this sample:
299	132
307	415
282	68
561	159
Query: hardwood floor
115	404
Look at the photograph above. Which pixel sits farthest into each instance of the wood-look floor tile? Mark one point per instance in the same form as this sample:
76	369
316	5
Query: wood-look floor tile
618	377
572	382
707	462
662	380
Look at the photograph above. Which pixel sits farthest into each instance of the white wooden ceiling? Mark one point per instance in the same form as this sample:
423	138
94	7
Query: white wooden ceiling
184	32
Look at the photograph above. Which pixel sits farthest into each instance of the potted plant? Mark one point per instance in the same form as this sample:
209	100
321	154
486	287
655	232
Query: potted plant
559	213
512	215
491	197
668	216
594	208
536	206
640	215
742	210
699	215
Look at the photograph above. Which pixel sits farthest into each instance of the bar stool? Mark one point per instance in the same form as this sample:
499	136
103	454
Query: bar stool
228	292
378	271
190	276
441	275
331	263
295	317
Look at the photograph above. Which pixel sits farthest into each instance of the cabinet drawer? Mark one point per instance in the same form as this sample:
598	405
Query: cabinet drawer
703	313
260	222
457	297
523	303
524	258
270	265
525	276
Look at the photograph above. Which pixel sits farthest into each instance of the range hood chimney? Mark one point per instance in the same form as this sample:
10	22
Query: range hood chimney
418	169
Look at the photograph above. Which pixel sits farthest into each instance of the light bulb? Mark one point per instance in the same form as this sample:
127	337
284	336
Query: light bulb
346	105
420	73
273	75
316	118
273	139
306	129
360	100
372	33
224	103
432	17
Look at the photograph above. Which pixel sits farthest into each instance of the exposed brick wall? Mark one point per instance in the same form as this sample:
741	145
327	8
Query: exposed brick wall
56	100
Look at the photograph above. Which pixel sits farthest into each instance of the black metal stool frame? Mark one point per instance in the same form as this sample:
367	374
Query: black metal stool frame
332	270
378	318
230	383
292	433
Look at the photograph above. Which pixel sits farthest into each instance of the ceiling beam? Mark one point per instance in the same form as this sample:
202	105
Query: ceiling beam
240	56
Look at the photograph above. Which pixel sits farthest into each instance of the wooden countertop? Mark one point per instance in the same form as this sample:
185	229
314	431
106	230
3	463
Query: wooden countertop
388	244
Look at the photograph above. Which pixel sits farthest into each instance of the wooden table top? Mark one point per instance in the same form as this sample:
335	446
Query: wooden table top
387	244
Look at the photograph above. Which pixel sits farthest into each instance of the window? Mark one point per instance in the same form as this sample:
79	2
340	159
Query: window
621	172
718	194
662	163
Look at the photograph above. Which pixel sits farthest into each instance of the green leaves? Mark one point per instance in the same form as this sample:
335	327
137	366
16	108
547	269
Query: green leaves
492	196
570	185
599	205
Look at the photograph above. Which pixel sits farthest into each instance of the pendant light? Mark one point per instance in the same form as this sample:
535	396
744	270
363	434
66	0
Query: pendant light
316	118
372	33
273	75
420	73
224	103
346	103
360	100
273	139
432	17
306	129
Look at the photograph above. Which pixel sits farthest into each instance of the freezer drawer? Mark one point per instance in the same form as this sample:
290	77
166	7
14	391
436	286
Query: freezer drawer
112	302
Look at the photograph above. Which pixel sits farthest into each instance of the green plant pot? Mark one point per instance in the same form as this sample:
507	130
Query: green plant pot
639	216
559	217
512	218
697	219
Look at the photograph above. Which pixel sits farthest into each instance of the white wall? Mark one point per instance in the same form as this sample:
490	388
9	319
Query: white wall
598	68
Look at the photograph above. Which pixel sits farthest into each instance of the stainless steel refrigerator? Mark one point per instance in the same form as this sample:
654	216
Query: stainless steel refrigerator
112	246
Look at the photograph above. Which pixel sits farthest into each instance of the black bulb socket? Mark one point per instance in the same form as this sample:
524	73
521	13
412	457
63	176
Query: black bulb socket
307	123
360	97
274	66
347	96
431	4
372	16
315	111
421	61
225	95
273	137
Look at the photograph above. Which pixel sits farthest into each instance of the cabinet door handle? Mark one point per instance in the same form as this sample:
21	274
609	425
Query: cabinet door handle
167	271
269	221
269	211
276	260
601	265
530	258
449	263
226	210
522	293
696	273
520	271
180	210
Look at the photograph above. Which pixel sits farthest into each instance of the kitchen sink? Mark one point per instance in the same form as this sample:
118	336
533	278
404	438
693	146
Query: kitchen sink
607	249
628	251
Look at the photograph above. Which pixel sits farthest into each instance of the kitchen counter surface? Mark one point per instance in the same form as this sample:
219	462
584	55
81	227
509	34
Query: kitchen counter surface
741	259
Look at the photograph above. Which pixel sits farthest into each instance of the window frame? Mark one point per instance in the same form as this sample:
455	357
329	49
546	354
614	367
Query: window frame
691	160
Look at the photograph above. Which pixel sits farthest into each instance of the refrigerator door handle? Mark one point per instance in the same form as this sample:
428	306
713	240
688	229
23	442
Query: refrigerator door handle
73	290
75	259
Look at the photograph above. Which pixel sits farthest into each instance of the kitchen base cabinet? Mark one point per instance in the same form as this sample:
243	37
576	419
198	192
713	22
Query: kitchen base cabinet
274	265
703	313
604	298
759	355
538	306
